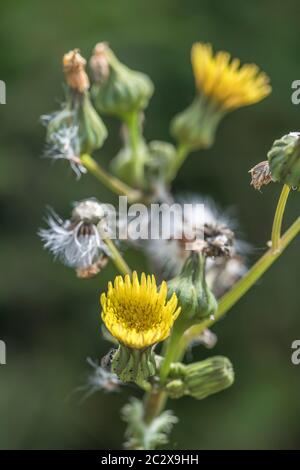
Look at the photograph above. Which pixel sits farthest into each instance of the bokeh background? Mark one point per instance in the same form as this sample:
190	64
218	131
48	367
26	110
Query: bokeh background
48	318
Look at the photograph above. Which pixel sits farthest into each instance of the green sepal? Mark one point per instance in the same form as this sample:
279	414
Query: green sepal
195	127
134	365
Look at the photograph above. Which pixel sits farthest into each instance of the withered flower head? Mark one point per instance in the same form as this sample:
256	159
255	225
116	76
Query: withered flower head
93	269
219	240
260	175
74	70
77	241
99	63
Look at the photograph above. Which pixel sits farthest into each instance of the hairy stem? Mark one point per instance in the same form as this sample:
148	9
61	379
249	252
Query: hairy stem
111	182
277	224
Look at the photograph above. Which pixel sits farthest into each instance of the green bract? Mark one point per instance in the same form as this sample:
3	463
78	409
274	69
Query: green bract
92	131
284	159
195	127
201	379
195	298
134	365
123	91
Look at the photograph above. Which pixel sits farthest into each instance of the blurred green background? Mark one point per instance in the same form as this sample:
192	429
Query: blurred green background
48	318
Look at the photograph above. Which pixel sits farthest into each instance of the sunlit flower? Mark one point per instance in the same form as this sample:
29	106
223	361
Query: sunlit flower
77	242
136	312
224	81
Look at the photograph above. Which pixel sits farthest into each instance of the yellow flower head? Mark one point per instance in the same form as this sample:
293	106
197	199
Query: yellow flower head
136	313
223	80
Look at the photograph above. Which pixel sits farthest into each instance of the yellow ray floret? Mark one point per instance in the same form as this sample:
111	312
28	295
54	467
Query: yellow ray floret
136	312
223	80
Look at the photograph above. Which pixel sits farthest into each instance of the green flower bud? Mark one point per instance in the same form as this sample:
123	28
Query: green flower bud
195	127
284	159
208	377
134	365
128	164
118	91
195	298
162	154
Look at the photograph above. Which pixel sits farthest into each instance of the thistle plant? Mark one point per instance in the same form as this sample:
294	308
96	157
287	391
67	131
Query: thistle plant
199	270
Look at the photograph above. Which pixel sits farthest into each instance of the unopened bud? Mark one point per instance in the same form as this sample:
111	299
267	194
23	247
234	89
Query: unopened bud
284	159
208	377
123	91
195	298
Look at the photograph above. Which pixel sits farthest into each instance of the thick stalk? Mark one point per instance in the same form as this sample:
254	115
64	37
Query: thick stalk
111	182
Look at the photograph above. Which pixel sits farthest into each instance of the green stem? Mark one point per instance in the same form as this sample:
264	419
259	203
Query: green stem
132	121
181	155
156	400
277	224
170	354
242	286
111	182
117	258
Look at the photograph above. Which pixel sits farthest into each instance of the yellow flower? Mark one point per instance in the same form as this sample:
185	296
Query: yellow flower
224	81
136	313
